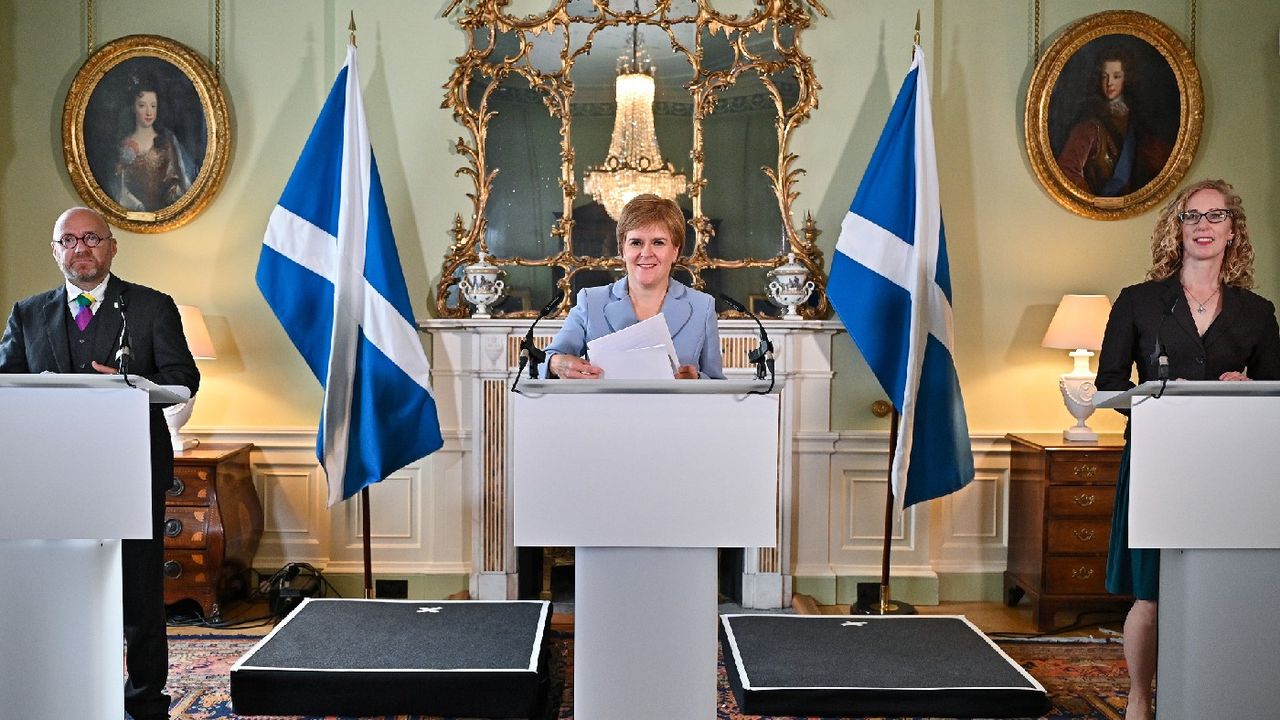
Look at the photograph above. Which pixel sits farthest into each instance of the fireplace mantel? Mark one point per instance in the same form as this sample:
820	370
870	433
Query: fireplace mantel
474	363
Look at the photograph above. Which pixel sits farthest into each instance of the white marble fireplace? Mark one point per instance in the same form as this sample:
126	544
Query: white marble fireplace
473	366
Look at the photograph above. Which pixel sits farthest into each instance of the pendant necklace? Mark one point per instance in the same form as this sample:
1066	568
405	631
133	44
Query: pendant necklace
1200	305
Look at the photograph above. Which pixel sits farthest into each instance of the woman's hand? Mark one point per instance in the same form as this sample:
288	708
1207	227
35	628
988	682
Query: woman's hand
1233	375
571	367
687	372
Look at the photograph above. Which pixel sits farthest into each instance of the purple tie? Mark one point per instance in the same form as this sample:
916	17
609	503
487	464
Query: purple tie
84	314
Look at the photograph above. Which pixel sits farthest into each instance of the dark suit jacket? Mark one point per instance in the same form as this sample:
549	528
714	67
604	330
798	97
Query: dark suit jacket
35	340
1244	337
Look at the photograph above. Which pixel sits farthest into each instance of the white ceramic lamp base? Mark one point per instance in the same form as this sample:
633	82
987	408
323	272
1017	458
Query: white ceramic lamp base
1077	394
176	416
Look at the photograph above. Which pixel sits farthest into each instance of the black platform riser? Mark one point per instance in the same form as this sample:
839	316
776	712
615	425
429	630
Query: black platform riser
496	695
854	702
365	658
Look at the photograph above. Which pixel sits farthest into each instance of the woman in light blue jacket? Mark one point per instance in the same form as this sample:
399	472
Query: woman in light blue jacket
650	235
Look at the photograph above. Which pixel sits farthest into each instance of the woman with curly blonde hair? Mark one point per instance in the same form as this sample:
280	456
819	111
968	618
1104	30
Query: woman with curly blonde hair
1195	318
1166	241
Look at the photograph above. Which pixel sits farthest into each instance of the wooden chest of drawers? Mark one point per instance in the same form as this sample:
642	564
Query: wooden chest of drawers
1060	499
213	522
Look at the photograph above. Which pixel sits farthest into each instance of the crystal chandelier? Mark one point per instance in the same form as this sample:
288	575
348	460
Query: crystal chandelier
634	164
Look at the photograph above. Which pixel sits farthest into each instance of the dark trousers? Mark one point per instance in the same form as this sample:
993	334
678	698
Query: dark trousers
147	645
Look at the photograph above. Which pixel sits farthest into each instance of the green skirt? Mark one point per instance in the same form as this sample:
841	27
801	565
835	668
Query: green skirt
1129	571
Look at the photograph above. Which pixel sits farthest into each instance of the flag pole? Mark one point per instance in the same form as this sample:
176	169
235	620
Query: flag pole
368	548
888	515
364	491
887	606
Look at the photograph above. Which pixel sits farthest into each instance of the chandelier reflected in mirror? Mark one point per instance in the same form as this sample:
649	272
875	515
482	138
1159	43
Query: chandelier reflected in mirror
634	164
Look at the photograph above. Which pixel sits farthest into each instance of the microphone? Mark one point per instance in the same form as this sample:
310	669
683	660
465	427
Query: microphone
531	355
124	354
1161	354
762	356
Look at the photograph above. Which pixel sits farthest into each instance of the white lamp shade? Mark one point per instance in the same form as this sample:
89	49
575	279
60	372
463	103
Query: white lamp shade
1079	323
197	333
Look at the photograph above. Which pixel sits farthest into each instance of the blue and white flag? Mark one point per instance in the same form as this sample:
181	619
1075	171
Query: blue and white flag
891	285
330	271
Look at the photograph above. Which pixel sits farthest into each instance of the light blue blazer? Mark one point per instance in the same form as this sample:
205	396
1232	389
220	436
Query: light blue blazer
690	316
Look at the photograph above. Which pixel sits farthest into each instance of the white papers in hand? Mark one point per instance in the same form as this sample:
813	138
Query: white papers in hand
649	363
643	351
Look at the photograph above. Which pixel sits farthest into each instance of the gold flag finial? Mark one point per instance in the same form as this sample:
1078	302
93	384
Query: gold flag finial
917	42
352	28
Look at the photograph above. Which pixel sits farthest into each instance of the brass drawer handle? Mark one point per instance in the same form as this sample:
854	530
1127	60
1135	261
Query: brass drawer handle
1082	573
178	487
1086	472
1085	499
172	569
1083	534
172	527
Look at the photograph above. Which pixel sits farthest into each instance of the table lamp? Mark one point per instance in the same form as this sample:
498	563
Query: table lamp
201	346
1078	326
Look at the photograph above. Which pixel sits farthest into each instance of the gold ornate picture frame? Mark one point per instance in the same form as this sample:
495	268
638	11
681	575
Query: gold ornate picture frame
146	133
1114	115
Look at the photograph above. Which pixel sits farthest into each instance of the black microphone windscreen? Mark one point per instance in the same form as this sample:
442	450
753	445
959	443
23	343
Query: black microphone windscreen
555	301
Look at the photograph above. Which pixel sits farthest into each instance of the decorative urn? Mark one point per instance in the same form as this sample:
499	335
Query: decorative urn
481	287
790	286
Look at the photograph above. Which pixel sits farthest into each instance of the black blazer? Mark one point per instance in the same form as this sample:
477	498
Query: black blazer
35	340
1244	337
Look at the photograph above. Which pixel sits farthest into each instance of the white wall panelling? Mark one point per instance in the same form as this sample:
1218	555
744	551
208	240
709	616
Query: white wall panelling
448	514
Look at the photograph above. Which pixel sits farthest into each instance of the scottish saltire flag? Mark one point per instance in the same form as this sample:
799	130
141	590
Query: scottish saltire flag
330	271
891	286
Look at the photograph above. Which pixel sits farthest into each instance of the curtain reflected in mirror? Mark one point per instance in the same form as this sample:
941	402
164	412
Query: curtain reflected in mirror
536	93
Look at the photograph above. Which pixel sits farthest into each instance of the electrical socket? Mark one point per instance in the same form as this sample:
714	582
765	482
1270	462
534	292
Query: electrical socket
391	589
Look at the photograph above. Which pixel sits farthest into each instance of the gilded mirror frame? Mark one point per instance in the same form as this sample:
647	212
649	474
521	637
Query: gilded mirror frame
484	20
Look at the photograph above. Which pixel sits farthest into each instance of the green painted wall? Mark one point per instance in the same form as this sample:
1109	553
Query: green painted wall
1014	251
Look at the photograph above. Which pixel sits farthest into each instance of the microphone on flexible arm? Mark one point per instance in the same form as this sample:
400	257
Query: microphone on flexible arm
123	354
762	356
531	355
1161	354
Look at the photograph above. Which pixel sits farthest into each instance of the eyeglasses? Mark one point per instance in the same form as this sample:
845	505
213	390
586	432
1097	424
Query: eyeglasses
90	240
1191	217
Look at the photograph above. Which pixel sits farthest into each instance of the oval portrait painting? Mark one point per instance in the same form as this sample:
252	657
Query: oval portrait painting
148	136
1113	115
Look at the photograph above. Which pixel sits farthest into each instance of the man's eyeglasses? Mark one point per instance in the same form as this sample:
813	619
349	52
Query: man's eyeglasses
90	240
1191	217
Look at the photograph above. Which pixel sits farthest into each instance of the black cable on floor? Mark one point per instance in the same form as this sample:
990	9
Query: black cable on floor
261	590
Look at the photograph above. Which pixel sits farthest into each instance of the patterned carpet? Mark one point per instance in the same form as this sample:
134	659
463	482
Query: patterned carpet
1085	681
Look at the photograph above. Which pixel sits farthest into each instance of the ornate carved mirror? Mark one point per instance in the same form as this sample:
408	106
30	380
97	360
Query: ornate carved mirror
538	96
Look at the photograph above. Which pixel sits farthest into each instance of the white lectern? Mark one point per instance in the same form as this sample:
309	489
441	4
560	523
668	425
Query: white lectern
76	480
1203	488
645	479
